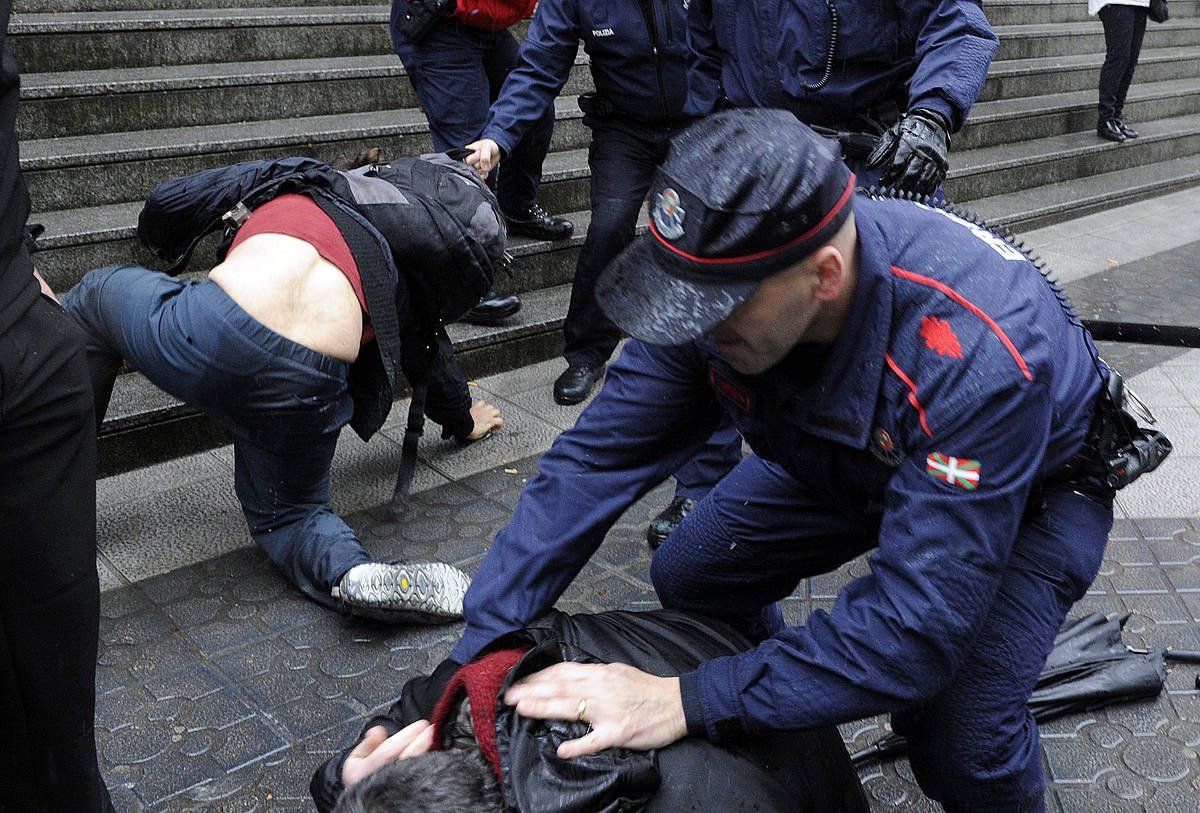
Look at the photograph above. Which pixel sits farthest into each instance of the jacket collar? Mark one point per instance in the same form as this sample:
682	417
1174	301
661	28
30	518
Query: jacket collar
841	404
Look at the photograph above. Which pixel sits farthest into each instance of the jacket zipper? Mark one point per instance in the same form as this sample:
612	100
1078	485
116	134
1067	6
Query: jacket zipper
652	30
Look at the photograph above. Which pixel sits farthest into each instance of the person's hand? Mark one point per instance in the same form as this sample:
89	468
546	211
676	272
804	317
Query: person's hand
378	749
485	155
486	418
914	153
626	708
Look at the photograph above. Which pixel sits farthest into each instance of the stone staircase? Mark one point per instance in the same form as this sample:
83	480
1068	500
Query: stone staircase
116	98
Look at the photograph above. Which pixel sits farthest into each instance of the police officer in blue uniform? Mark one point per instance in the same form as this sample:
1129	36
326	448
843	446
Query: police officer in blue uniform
911	386
639	58
905	70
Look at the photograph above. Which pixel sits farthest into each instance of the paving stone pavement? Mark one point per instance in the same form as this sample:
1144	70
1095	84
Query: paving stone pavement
220	688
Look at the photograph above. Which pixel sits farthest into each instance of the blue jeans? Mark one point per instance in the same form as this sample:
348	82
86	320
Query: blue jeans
283	403
457	72
974	745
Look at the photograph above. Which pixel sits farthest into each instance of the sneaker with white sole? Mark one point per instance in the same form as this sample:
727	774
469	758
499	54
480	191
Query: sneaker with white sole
425	593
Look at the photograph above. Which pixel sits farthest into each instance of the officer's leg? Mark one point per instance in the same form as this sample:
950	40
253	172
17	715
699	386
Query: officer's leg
748	543
284	494
974	747
49	593
446	69
521	174
622	163
720	453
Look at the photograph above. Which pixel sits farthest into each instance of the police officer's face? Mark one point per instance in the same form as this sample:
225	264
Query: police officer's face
805	302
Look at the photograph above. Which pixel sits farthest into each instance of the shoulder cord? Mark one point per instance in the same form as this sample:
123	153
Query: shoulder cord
829	54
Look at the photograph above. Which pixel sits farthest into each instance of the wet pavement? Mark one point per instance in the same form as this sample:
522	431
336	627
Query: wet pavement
220	688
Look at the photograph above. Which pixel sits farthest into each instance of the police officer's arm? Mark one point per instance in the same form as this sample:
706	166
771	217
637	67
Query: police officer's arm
654	411
895	636
545	65
954	46
704	61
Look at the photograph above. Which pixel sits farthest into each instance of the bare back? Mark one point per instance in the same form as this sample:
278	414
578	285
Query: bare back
286	285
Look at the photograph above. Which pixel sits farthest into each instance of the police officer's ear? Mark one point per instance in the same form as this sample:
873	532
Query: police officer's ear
827	269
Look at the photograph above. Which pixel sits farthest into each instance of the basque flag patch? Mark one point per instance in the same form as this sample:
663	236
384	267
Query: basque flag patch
956	471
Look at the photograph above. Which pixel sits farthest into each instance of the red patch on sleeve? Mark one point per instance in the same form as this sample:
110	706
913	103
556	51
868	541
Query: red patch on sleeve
940	338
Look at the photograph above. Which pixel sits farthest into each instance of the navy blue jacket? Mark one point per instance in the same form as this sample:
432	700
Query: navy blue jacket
762	54
957	384
639	57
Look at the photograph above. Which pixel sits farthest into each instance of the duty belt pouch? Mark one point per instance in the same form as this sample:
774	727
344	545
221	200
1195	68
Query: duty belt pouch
1119	449
598	107
420	16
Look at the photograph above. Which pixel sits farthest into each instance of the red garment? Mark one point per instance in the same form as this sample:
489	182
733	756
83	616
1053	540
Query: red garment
481	680
493	15
298	216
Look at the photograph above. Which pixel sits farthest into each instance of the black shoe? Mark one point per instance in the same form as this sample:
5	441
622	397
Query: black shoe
492	309
1110	131
536	222
1125	129
575	384
666	522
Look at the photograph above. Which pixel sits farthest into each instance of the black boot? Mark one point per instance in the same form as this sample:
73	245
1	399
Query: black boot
492	309
1110	131
539	224
1126	130
576	383
665	523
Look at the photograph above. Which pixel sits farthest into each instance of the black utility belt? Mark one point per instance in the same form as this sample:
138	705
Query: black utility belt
1118	449
602	109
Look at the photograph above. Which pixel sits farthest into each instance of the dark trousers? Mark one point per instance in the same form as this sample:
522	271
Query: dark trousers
1124	27
283	403
974	745
457	72
49	593
622	158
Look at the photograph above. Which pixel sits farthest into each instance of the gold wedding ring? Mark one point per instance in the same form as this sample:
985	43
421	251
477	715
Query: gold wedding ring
582	709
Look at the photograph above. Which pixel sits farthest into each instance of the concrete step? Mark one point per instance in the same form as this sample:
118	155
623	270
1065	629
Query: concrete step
991	171
1071	39
77	41
145	425
1033	12
1015	78
1065	200
61	6
85	171
1013	120
75	103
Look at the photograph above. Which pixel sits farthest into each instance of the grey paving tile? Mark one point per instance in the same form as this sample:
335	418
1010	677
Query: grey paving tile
109	578
364	474
165	531
1172	490
156	479
538	376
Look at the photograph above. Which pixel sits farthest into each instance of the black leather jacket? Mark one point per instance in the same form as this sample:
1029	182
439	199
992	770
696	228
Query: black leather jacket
782	771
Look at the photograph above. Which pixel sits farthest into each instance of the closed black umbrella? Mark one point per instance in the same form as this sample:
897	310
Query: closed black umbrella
1089	667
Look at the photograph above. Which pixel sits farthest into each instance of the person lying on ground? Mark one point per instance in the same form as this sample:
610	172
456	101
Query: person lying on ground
476	753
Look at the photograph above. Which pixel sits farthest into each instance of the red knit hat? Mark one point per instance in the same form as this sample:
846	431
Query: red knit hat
481	680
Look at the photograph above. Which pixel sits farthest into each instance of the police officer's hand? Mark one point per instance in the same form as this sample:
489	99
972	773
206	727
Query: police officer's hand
625	707
914	153
485	155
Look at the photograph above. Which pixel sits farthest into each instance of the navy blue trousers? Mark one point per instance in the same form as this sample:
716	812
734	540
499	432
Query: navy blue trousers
283	403
622	158
974	746
457	72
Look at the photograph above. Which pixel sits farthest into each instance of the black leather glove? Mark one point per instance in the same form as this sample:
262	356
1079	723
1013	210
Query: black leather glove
914	152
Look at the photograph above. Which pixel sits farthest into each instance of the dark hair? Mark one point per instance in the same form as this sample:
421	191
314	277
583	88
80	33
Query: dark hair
451	781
